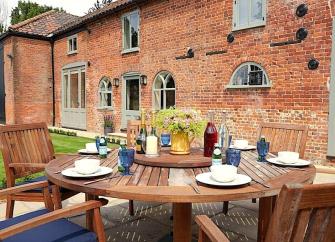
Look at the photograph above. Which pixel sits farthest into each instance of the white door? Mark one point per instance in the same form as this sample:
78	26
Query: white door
74	98
131	101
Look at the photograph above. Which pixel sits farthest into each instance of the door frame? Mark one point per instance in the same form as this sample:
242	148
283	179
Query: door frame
124	112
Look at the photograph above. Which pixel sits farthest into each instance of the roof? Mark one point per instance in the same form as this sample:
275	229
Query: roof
43	24
97	14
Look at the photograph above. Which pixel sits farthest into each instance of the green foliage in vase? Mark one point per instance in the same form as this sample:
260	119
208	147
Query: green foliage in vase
181	120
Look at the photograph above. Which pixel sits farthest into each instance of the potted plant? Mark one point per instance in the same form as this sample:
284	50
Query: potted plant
184	125
108	124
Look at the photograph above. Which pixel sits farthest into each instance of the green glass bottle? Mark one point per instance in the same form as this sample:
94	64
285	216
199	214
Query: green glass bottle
217	155
103	148
142	136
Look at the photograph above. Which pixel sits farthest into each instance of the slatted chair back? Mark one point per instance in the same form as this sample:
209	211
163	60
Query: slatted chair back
133	128
303	213
285	137
25	145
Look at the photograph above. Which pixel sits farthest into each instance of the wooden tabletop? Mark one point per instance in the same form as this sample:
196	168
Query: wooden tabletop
171	184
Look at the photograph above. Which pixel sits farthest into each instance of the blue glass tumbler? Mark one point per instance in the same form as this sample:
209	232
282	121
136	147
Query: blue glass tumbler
263	150
97	143
165	138
127	159
233	157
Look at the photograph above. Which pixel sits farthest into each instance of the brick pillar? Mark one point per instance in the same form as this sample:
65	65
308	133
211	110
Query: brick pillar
332	7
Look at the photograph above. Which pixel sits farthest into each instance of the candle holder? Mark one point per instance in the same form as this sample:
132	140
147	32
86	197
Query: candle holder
152	146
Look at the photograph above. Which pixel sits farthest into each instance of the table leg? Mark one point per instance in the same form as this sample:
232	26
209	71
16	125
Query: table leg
182	222
266	206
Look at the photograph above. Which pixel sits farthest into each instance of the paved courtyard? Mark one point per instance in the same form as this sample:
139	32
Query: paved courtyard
152	221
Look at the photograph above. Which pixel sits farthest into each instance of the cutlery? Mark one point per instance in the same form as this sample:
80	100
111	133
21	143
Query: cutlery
195	188
261	183
101	179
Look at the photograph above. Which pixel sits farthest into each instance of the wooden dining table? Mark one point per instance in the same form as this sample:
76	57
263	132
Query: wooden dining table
157	183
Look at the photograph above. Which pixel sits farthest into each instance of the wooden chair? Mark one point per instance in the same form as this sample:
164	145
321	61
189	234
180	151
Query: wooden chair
26	149
285	137
133	128
49	225
302	213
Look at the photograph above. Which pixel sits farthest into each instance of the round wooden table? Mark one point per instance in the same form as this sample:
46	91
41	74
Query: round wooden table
162	184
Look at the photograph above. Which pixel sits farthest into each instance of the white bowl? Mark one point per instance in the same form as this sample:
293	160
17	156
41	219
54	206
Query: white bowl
224	173
241	143
87	166
288	157
91	147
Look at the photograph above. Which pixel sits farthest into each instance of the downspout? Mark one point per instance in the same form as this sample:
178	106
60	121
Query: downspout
331	121
53	83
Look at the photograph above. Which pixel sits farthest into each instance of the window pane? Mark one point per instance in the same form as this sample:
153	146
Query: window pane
109	99
158	83
109	87
157	100
132	97
66	89
70	45
170	98
241	76
74	44
74	86
256	10
170	82
243	12
83	97
134	22
126	33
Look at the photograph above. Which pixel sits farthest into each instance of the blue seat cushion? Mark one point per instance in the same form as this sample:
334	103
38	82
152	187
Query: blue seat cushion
56	231
38	179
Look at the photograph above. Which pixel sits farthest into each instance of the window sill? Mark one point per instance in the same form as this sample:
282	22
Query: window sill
105	109
246	86
72	53
235	29
130	50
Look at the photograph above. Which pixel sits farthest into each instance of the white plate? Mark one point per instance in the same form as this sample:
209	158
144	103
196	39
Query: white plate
206	178
71	172
298	163
249	147
86	152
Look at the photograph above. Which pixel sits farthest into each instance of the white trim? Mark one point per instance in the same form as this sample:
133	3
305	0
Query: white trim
106	81
131	49
251	24
331	122
71	38
164	89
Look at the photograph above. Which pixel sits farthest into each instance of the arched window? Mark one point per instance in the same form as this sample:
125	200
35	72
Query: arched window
249	74
164	91
105	93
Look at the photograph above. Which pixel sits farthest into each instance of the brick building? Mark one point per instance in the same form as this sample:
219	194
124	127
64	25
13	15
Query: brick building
244	58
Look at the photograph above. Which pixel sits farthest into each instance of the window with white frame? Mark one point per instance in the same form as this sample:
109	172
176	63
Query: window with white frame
130	31
105	93
249	74
164	91
249	14
72	44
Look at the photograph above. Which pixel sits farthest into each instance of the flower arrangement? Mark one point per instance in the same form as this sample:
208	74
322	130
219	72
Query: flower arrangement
181	120
109	121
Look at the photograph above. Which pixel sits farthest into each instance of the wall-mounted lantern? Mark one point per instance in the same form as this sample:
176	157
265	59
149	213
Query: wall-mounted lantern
230	38
301	34
302	10
144	80
313	64
116	82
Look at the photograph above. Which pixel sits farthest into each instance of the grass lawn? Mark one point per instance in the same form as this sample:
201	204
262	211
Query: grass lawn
62	144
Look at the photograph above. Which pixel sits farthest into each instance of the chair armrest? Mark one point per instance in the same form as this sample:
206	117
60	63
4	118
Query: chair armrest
22	188
49	217
27	165
209	230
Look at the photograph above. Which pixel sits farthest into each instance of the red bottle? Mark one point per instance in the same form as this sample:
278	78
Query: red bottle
210	136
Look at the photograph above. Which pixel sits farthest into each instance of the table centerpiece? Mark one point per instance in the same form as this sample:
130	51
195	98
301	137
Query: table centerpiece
184	125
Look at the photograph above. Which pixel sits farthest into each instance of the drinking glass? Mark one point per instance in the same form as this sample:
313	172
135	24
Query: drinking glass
233	157
127	159
166	138
97	143
263	150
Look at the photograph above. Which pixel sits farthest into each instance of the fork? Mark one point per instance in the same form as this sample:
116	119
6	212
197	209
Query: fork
267	186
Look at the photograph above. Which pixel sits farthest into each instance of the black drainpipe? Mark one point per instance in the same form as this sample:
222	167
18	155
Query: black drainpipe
53	83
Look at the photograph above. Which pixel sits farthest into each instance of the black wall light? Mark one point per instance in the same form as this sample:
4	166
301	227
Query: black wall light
116	82
302	10
230	38
301	34
313	64
144	80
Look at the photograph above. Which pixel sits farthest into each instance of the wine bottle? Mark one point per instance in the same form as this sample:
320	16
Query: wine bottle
210	136
142	136
103	147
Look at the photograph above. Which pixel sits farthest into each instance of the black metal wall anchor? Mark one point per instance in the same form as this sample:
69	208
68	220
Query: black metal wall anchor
301	34
302	10
289	42
313	64
189	54
230	38
216	52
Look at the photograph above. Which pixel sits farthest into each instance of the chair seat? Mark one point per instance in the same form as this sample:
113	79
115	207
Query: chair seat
56	231
38	179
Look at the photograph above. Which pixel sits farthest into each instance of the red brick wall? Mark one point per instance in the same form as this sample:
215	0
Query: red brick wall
297	95
28	81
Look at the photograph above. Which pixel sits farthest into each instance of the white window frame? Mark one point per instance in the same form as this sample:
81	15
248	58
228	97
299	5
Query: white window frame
250	24
164	89
131	49
105	81
231	84
70	39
